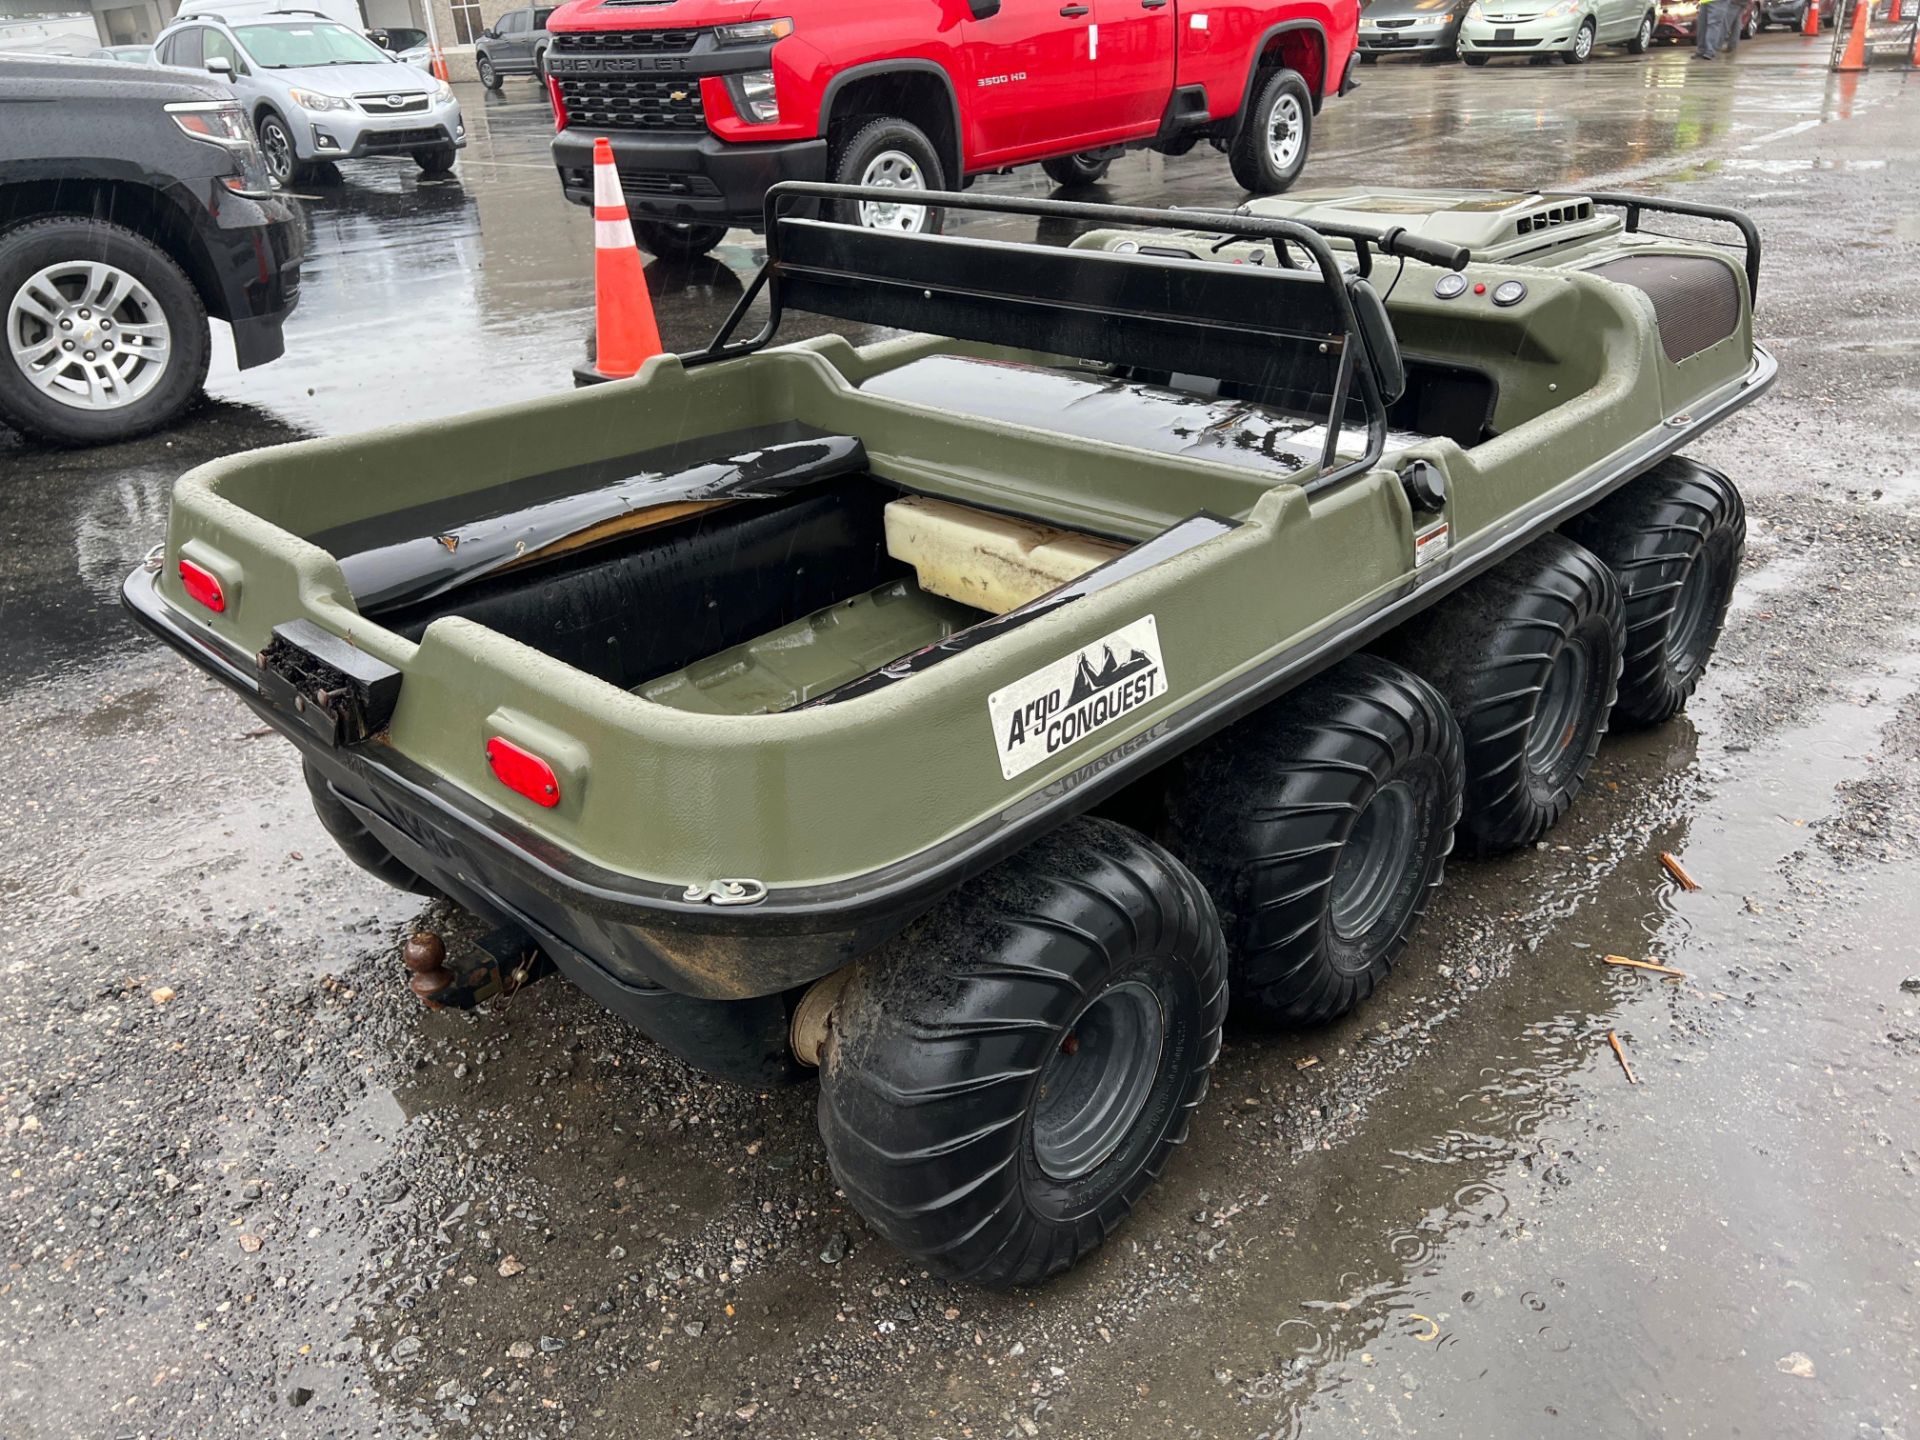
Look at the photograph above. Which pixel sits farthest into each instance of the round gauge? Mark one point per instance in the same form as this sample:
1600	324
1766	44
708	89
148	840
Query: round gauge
1509	292
1450	285
1125	247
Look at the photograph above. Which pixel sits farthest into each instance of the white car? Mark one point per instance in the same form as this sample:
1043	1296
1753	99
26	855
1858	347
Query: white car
318	91
1567	28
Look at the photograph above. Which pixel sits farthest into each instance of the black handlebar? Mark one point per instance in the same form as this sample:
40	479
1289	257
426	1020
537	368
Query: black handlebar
1401	242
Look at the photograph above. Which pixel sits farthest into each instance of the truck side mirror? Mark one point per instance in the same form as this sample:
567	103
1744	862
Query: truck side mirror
221	66
984	9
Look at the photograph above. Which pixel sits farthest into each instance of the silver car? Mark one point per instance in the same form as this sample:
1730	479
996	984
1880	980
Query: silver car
317	91
1567	28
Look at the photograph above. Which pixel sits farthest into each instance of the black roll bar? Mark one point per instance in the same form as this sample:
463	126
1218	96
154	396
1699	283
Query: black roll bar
1635	204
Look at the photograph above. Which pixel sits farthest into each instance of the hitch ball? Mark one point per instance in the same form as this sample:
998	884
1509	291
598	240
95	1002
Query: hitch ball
425	954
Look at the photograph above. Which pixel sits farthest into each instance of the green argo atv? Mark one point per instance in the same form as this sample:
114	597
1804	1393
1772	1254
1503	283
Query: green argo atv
976	715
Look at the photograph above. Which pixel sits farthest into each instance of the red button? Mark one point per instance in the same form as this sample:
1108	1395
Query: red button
1480	289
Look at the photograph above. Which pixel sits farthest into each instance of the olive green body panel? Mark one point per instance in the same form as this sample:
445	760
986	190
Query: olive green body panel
806	796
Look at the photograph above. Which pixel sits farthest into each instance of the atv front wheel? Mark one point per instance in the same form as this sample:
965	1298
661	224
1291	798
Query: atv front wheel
1004	1081
1321	826
1528	658
1674	538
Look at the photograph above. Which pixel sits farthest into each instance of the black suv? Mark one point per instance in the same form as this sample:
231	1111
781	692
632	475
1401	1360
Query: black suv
515	44
133	205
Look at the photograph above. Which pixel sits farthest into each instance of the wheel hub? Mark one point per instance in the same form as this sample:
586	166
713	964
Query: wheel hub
1283	133
88	335
896	170
1097	1083
1556	714
1367	873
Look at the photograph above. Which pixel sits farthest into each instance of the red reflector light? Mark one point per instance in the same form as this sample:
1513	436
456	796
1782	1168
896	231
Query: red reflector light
523	772
202	585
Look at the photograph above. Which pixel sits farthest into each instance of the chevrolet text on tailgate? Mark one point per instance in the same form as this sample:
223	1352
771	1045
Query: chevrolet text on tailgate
707	103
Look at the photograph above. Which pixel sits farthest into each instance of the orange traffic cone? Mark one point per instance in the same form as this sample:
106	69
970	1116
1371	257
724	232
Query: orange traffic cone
437	66
1855	57
625	333
1810	20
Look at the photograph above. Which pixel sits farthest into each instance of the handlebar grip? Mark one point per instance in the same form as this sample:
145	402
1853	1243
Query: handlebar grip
1398	243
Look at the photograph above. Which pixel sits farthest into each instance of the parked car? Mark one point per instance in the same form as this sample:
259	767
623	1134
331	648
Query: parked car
705	109
515	44
125	54
133	205
318	91
1570	29
1791	14
407	45
1677	19
1417	27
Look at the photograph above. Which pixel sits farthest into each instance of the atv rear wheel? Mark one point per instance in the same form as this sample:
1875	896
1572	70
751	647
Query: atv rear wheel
1528	658
1321	826
356	841
1004	1081
1674	539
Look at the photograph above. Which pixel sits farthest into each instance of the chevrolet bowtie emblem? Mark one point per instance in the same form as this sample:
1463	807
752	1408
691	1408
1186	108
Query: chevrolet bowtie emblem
678	95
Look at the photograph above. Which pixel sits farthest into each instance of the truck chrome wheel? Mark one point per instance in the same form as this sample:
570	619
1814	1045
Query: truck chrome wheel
1285	133
897	170
88	335
1096	1084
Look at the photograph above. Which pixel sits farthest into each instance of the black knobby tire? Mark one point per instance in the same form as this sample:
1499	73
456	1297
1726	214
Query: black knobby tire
1643	37
1674	538
358	843
857	146
1321	827
1574	55
437	160
1528	657
26	251
489	77
1085	168
986	1101
1476	60
1250	156
668	240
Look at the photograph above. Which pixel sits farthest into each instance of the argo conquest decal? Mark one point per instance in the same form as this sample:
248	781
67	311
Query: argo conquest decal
1041	714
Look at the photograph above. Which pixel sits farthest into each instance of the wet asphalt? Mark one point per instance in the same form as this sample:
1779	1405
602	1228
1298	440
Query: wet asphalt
251	1188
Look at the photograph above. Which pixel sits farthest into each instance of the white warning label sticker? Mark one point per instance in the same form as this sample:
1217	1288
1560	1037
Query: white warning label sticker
1042	714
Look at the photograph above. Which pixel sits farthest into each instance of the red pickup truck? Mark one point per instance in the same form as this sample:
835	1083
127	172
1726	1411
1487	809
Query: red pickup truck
708	102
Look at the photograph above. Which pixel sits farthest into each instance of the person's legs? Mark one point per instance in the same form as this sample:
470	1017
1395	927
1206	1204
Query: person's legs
1705	22
1730	13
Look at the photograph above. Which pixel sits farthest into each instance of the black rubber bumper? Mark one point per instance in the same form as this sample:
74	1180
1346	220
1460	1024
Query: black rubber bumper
691	178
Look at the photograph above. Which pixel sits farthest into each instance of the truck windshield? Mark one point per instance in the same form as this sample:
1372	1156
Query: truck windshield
289	47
